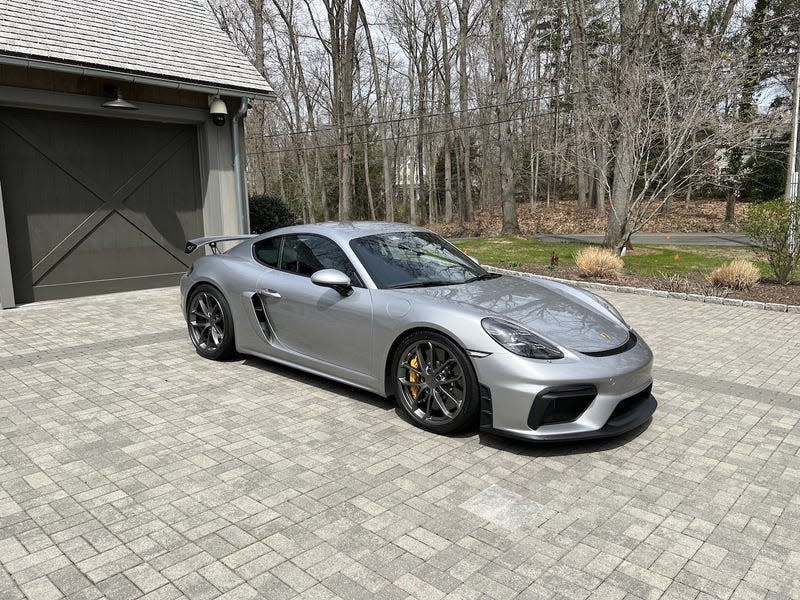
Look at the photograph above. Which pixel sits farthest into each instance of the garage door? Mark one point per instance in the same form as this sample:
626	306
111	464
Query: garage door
96	204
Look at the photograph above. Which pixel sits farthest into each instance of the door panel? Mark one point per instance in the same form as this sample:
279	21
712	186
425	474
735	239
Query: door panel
319	322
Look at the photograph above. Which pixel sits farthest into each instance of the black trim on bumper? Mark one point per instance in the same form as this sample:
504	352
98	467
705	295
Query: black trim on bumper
617	425
560	404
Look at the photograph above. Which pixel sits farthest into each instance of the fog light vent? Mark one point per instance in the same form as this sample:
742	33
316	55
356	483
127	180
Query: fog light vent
560	405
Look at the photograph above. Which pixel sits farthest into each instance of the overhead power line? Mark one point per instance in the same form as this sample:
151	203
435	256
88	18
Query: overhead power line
404	136
415	117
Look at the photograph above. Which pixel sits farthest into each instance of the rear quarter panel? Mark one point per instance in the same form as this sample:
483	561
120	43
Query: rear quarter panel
234	276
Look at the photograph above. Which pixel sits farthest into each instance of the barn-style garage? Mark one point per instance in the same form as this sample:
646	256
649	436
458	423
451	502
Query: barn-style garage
119	224
109	159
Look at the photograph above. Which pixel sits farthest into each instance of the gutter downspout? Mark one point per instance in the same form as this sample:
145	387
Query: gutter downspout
238	173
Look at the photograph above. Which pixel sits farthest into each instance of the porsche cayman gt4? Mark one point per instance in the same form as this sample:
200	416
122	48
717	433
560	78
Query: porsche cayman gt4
399	311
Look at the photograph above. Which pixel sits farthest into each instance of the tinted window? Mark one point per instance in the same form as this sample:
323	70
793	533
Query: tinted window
266	251
414	259
307	254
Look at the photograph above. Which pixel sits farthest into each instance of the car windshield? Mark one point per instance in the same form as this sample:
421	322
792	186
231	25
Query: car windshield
410	259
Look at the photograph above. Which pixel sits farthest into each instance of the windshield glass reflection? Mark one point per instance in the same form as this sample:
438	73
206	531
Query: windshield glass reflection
414	259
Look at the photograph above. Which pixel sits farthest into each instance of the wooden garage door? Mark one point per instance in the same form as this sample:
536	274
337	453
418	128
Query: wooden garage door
96	204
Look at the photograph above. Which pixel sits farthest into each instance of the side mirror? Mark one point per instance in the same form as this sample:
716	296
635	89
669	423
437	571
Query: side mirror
475	260
333	278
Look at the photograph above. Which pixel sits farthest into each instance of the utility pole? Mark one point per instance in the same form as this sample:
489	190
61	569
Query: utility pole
791	167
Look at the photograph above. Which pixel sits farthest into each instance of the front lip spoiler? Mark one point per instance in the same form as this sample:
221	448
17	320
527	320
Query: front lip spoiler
614	427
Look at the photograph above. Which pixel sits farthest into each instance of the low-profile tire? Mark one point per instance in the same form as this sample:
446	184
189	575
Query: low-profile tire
210	323
434	383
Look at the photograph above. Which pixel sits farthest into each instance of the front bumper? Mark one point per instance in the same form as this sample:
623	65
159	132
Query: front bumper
512	385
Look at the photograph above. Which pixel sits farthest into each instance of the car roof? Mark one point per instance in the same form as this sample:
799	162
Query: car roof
343	232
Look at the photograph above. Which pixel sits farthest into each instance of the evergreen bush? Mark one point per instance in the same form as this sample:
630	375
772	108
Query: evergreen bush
270	212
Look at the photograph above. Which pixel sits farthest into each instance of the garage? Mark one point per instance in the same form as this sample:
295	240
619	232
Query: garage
122	129
96	204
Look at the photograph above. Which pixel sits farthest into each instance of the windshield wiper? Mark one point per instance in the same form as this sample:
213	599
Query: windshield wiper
483	277
416	284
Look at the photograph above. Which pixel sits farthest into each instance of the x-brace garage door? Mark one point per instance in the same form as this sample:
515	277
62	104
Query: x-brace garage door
96	204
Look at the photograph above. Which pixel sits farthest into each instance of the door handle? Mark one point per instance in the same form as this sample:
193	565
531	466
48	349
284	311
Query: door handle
270	293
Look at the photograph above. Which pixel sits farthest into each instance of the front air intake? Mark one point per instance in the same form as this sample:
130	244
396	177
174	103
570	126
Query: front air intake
560	404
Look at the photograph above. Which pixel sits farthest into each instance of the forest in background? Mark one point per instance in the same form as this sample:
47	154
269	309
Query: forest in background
425	110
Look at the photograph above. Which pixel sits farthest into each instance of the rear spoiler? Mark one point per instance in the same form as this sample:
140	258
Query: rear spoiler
212	241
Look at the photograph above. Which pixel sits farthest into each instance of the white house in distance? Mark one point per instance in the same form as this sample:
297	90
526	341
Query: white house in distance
110	158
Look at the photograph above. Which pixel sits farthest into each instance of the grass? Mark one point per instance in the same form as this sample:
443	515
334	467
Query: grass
644	260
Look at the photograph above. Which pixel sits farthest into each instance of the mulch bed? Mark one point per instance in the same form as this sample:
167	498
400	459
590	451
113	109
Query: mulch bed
764	291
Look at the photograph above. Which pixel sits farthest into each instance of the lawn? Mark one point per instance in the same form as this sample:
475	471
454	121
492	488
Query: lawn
643	260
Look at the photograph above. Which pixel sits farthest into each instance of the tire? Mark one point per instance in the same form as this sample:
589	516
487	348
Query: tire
434	383
210	323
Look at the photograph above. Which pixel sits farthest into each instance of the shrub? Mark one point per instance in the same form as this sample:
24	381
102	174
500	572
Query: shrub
738	274
268	213
768	224
676	282
593	261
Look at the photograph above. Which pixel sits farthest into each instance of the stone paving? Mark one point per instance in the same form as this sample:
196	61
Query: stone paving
130	467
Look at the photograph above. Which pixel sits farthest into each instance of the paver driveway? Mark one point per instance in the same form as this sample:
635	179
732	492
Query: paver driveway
131	467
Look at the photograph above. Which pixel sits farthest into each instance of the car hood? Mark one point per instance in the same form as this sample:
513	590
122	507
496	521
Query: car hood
563	314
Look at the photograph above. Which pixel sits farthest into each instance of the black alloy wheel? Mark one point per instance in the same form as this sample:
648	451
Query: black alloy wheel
435	383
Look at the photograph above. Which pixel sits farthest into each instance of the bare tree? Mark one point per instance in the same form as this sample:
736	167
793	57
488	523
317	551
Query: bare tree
505	133
620	104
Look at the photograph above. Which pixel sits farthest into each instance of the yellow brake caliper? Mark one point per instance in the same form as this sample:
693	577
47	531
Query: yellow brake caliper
413	377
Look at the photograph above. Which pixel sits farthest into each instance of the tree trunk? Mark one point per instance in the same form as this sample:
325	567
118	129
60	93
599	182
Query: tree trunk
342	23
308	201
259	117
624	179
730	206
506	143
636	26
448	185
388	186
367	181
577	32
463	104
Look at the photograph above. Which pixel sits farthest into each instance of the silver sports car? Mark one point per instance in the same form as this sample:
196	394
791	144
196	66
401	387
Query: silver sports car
399	311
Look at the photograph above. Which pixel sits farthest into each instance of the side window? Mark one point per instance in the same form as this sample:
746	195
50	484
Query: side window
267	251
307	254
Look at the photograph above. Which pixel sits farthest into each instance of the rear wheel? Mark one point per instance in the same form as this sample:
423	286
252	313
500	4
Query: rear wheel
435	383
210	323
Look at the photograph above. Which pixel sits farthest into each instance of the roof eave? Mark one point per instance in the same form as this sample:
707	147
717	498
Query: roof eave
264	93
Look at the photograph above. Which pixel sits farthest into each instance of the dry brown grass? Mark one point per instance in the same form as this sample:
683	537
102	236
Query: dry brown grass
602	263
738	275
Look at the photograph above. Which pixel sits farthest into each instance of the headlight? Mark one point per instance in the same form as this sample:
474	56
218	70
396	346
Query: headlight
519	340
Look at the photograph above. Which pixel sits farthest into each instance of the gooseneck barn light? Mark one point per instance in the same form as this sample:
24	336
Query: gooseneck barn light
119	102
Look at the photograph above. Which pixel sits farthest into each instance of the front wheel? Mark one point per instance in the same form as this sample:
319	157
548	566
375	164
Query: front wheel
210	323
434	383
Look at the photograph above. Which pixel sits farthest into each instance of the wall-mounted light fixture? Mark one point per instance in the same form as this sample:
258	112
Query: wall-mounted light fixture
119	102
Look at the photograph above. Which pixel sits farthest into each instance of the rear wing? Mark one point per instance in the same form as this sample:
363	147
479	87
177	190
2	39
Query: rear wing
212	241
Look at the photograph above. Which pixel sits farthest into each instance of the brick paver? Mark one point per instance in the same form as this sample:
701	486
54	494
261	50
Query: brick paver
130	467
